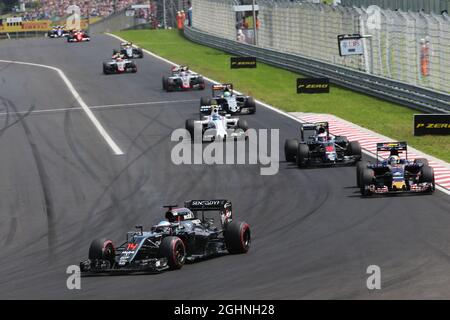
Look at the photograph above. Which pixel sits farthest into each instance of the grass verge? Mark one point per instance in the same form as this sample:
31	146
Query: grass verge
277	87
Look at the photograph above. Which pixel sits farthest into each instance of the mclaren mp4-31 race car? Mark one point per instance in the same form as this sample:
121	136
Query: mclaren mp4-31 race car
57	32
78	36
228	100
119	65
316	147
188	234
216	127
129	51
394	175
183	79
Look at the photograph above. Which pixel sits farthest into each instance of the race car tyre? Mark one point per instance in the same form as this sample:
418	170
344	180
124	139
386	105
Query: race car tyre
204	101
172	248
140	53
102	249
201	84
354	149
251	105
421	160
427	175
237	237
165	83
190	125
360	166
242	124
302	155
290	149
106	69
366	180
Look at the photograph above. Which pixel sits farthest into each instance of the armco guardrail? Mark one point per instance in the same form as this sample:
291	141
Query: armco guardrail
387	89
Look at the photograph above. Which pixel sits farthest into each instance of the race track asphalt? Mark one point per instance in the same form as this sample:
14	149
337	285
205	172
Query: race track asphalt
61	186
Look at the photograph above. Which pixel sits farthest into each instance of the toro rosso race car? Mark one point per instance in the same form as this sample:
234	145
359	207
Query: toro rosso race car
130	52
187	234
216	127
57	32
229	102
317	147
394	175
183	79
119	65
78	36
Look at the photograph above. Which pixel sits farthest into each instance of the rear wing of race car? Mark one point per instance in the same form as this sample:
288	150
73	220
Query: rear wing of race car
394	148
223	206
221	87
206	110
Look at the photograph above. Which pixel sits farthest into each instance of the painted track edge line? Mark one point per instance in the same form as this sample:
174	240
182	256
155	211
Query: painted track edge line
101	130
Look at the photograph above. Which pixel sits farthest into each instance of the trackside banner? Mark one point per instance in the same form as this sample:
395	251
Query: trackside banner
431	124
313	85
243	62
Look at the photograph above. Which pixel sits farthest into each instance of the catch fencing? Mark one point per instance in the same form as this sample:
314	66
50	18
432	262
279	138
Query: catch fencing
412	47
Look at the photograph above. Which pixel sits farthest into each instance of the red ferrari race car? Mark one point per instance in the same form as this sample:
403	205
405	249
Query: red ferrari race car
78	36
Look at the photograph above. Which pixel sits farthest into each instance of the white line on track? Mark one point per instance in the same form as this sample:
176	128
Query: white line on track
106	106
101	130
257	101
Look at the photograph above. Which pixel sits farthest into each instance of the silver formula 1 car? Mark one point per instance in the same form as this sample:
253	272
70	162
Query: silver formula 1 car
119	65
216	127
183	79
130	52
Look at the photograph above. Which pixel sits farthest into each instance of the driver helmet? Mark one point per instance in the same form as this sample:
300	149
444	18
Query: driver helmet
163	226
227	94
393	160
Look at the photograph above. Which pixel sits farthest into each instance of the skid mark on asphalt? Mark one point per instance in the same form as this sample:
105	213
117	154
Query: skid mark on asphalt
43	178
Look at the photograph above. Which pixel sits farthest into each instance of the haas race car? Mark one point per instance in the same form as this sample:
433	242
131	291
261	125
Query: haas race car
130	52
317	147
183	79
78	36
57	32
119	64
394	175
216	127
188	234
229	102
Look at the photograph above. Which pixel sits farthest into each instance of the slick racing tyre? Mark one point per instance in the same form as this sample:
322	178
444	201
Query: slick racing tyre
360	166
366	180
302	155
172	248
251	105
237	237
190	126
106	69
102	249
290	149
354	149
242	124
165	83
427	175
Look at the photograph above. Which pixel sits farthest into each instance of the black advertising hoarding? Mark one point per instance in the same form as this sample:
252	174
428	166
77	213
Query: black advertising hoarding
432	124
313	85
243	62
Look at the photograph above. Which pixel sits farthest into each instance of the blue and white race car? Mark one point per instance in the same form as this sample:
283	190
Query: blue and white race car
216	127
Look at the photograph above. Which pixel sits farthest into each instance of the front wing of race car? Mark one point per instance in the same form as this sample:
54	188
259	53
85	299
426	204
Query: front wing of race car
424	187
155	265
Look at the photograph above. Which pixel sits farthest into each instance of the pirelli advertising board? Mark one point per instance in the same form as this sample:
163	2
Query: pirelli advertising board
243	62
313	85
438	124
